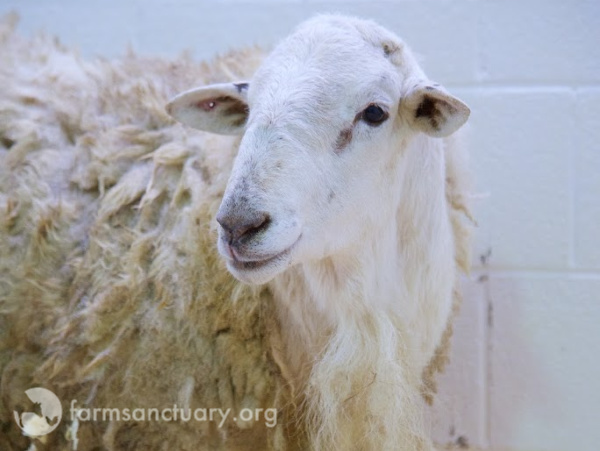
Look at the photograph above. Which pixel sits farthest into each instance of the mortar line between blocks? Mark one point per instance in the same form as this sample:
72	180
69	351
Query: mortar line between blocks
515	88
487	310
488	325
574	273
571	190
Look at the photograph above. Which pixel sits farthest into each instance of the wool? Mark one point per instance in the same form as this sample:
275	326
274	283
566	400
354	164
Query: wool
111	290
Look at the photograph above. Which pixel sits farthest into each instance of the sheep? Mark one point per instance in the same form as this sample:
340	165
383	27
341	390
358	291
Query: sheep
300	252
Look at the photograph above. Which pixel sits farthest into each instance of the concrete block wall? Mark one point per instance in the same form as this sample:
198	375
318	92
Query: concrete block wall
525	371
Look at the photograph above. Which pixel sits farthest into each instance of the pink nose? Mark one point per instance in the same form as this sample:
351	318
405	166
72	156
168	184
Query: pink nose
240	228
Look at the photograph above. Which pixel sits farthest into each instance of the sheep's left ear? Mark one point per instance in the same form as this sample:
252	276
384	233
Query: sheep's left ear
220	108
432	110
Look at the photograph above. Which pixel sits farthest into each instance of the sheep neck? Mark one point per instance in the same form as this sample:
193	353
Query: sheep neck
359	327
402	269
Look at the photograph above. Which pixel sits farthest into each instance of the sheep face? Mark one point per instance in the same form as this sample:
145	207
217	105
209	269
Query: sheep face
324	120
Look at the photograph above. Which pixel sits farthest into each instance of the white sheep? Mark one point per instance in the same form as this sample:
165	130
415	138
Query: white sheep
343	205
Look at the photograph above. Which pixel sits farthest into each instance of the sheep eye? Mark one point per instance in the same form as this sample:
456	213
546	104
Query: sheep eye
374	115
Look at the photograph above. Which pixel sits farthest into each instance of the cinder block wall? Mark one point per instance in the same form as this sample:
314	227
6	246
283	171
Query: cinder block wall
525	372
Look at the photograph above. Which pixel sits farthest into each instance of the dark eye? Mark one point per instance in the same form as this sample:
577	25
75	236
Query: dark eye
374	115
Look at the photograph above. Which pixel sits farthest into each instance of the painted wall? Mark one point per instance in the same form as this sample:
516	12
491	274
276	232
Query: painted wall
525	374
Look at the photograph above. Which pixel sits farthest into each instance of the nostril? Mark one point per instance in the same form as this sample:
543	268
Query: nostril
226	222
243	226
260	223
252	227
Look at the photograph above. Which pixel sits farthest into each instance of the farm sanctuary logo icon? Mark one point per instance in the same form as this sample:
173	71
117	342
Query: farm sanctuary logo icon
44	414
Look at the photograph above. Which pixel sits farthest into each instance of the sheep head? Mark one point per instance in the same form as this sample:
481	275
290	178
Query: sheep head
324	121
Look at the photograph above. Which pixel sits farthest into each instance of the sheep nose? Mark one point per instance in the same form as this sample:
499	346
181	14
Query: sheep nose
243	227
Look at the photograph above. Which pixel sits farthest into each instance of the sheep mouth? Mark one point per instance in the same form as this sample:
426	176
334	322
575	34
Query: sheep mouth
250	265
256	264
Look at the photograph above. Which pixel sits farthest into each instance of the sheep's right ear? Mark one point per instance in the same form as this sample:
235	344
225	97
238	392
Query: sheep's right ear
220	108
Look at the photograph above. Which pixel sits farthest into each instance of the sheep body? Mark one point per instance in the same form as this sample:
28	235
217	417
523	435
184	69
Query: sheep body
111	288
112	292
